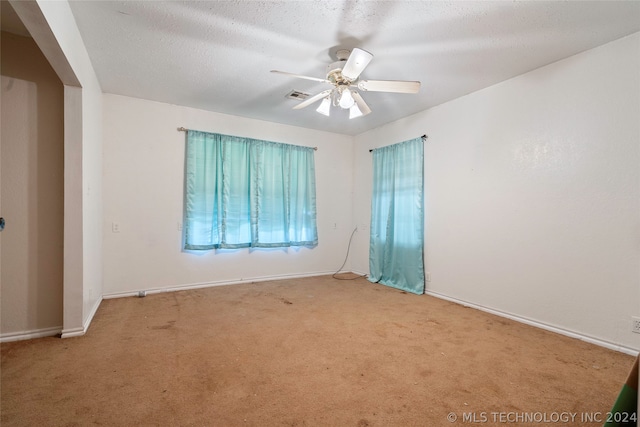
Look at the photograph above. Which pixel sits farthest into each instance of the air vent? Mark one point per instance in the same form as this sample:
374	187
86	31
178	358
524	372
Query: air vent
294	94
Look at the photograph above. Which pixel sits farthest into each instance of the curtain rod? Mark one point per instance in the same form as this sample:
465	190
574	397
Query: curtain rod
183	129
424	138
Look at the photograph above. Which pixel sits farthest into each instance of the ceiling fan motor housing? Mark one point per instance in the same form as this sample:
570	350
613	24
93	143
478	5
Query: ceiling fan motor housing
334	73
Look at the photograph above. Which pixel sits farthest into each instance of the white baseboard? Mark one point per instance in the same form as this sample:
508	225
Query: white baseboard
80	331
212	284
72	332
359	273
537	324
27	335
92	313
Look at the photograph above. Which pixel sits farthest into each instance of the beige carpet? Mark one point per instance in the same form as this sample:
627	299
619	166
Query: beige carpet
304	352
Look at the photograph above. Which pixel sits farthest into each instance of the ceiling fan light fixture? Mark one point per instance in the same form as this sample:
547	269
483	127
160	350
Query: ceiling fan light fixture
325	107
346	99
354	112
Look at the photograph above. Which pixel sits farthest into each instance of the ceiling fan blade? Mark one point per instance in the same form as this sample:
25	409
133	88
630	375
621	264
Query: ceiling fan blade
397	86
364	108
313	99
315	79
357	62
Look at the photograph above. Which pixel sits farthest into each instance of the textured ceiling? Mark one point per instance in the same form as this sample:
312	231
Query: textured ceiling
216	55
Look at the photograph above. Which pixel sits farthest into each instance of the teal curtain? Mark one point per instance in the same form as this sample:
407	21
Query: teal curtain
397	217
242	192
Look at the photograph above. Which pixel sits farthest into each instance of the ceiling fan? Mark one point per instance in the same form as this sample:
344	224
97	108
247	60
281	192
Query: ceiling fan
343	75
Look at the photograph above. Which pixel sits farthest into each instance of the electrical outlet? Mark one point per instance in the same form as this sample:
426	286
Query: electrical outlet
115	227
635	324
428	276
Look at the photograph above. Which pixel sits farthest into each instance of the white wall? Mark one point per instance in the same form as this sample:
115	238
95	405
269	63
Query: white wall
32	191
143	193
533	193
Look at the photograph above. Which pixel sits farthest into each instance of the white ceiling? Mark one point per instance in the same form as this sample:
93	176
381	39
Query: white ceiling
216	55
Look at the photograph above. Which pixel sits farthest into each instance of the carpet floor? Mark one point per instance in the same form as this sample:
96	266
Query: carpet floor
306	352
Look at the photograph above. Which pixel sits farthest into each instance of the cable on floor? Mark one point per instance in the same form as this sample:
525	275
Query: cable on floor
345	260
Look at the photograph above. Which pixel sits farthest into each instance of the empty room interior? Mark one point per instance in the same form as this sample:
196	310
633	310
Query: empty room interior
335	213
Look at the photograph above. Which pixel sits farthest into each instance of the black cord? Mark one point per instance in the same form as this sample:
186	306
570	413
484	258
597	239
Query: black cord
345	260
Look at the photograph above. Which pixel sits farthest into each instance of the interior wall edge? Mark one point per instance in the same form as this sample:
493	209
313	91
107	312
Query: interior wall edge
541	325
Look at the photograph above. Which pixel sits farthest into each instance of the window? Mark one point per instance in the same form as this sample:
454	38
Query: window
242	192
